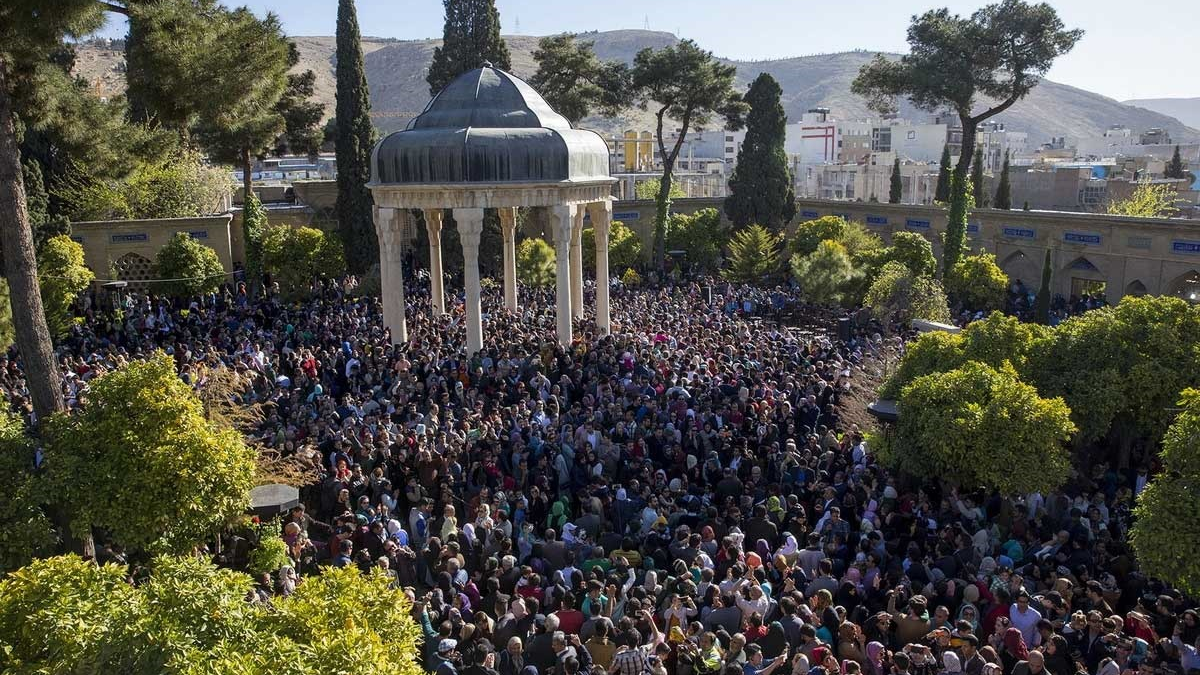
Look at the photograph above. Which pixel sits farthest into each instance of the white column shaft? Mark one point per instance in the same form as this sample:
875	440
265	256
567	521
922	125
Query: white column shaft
563	220
389	226
601	223
577	264
470	226
433	227
508	227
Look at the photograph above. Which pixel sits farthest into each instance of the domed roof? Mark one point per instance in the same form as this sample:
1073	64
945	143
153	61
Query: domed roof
488	126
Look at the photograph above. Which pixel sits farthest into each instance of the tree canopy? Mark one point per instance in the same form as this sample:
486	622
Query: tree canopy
196	266
63	275
761	189
536	262
689	85
354	138
1149	200
470	36
895	185
978	283
980	427
701	235
574	82
810	233
913	251
296	256
141	461
824	274
624	247
753	255
898	295
1166	532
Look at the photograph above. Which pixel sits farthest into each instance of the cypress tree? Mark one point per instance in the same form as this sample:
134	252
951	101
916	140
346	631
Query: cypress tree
1174	168
896	189
942	192
1041	307
761	189
977	179
353	144
471	35
1004	190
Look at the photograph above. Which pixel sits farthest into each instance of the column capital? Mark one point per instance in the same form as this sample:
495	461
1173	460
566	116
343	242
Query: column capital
601	213
470	227
433	225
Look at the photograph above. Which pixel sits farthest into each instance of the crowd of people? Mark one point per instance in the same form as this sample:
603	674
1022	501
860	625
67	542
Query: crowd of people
684	496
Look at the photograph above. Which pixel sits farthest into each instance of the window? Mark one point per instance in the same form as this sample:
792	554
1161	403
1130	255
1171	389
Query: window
728	138
912	135
729	149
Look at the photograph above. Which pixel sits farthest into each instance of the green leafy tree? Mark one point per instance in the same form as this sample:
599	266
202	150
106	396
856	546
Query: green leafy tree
1149	200
296	256
470	36
981	427
1140	356
29	32
977	179
954	241
268	555
197	267
1175	168
574	82
689	85
913	251
1003	198
810	233
753	255
978	282
25	531
995	341
824	274
190	617
64	275
898	295
941	193
867	254
761	189
996	55
354	140
536	262
254	228
142	462
1041	307
181	186
649	189
1165	533
896	186
624	247
700	235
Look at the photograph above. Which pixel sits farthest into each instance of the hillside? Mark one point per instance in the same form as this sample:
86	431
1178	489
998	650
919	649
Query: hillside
396	74
1186	110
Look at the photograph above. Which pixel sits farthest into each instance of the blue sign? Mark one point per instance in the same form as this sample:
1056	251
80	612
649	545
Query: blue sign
1081	238
877	220
972	228
627	215
1019	232
198	234
122	238
1181	246
809	214
915	224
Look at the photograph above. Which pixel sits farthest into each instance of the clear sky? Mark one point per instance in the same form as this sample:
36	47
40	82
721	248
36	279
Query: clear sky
1139	49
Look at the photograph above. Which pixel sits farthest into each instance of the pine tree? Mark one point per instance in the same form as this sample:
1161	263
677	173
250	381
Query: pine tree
1004	190
977	179
471	36
1175	168
896	189
761	188
353	143
942	193
1041	307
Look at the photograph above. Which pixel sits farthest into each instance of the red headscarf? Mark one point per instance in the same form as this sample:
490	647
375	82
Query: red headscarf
1014	642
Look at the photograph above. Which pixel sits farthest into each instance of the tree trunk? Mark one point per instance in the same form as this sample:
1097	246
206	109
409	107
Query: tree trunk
662	211
20	260
247	183
965	155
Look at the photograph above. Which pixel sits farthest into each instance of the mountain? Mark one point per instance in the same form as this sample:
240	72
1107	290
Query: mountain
396	74
1186	110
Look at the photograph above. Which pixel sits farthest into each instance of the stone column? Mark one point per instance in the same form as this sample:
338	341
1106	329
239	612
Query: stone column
390	228
562	222
470	226
601	222
577	263
508	227
433	227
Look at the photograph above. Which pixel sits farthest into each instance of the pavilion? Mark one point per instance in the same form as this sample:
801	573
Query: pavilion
489	141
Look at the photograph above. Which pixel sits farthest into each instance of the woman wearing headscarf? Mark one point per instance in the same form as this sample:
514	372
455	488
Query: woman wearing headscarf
851	643
774	642
873	665
790	549
1014	650
951	664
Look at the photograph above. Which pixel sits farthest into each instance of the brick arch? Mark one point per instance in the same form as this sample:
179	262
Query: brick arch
1136	288
1186	286
1082	267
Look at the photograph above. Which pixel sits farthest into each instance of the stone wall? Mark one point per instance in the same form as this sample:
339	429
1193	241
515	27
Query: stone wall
130	247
